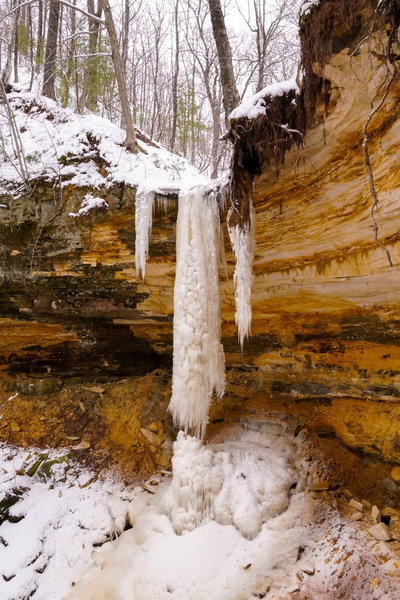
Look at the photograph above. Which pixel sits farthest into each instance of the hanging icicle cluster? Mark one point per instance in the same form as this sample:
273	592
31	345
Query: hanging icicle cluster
198	360
242	240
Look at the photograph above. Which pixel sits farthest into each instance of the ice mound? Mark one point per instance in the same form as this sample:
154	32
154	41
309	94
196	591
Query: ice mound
241	483
218	530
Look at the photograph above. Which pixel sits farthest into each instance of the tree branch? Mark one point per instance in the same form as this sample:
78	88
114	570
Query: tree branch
64	2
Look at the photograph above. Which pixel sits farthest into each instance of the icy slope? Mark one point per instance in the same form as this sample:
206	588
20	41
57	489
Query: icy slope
52	514
247	531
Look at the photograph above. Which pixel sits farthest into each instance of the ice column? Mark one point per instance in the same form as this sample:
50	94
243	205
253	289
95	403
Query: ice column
198	358
143	221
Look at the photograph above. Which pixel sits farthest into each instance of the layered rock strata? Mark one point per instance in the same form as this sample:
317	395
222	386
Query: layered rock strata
325	340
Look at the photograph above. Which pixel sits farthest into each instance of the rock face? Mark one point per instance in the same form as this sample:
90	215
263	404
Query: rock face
326	289
69	293
326	308
327	260
74	315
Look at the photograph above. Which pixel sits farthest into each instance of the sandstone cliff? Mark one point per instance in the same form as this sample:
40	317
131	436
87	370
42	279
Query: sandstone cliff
326	313
327	233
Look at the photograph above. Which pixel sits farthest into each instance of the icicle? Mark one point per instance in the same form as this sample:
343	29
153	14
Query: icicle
143	221
163	203
243	246
198	361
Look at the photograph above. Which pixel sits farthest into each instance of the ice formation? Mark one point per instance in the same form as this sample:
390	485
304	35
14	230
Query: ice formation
240	483
243	246
198	358
143	222
235	492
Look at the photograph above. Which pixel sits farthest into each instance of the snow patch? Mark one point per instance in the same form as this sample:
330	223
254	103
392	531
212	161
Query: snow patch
89	203
57	514
81	150
255	105
307	7
198	357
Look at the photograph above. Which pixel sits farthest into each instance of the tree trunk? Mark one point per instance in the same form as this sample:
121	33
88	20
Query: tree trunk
230	93
39	43
175	79
6	73
49	72
130	140
91	71
31	49
125	35
215	158
16	44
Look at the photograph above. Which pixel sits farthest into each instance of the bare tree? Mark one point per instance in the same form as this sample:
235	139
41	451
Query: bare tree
89	96
16	40
271	52
40	36
130	139
230	93
175	77
171	69
201	45
49	73
6	73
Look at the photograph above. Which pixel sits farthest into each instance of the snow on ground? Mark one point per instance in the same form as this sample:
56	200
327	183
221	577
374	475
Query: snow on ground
50	520
235	522
84	150
255	105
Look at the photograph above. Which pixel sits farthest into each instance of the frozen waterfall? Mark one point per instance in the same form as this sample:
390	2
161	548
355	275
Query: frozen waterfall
198	358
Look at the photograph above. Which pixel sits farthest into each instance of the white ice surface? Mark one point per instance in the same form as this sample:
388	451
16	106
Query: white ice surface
241	483
243	247
143	220
60	548
228	486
